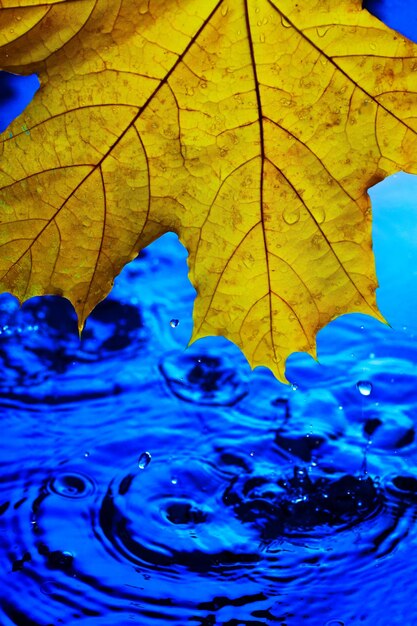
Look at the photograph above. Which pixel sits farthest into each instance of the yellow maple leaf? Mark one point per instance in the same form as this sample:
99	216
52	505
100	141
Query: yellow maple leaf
251	128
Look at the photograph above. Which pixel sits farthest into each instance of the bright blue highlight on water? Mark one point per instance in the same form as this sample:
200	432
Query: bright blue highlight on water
146	483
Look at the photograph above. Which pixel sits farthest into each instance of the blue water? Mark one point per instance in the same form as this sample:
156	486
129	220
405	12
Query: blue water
146	483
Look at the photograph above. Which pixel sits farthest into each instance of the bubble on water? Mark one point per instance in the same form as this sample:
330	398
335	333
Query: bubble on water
71	485
67	554
58	559
364	387
144	460
174	323
174	480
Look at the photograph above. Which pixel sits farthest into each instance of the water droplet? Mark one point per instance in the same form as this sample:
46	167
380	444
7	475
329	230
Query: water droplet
285	23
174	323
364	387
86	454
262	38
291	215
322	30
174	480
294	387
67	554
225	10
144	460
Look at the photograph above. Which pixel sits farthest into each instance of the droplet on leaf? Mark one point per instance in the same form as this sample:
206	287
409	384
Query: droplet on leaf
322	30
291	215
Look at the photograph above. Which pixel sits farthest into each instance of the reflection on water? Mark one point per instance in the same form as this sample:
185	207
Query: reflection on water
146	484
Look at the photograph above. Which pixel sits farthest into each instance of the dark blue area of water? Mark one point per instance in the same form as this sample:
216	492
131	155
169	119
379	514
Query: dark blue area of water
146	483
